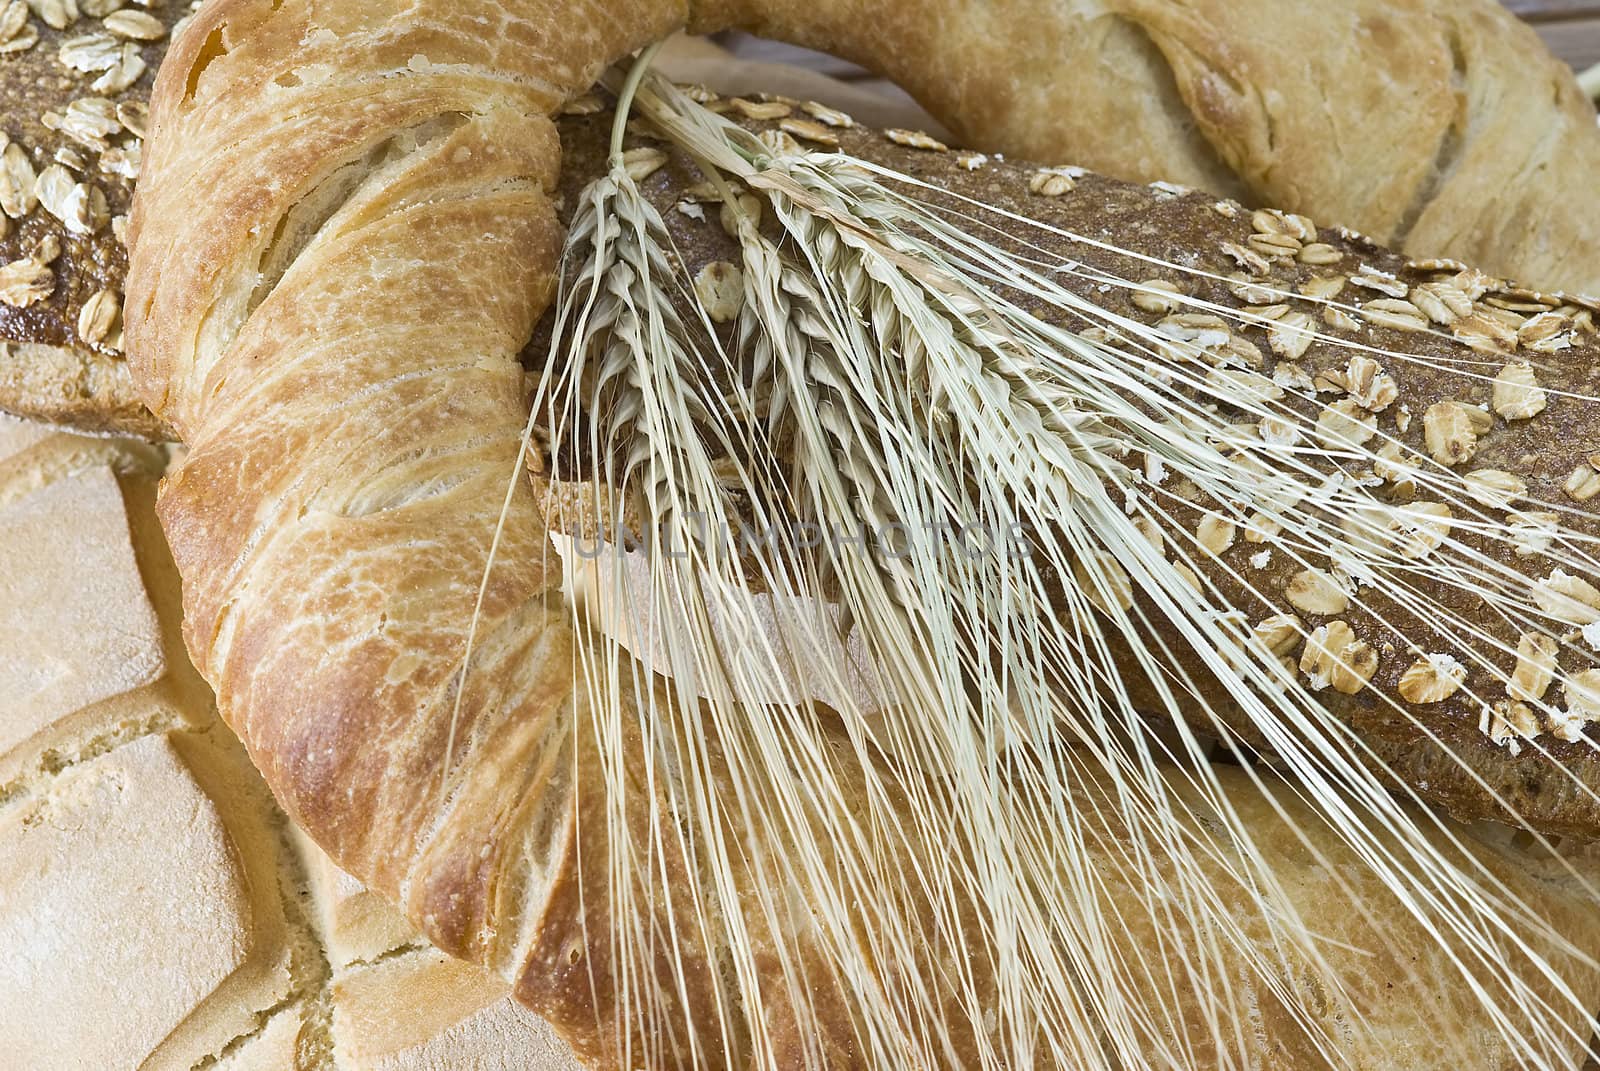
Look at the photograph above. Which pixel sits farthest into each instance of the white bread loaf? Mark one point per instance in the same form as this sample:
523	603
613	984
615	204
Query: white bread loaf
156	909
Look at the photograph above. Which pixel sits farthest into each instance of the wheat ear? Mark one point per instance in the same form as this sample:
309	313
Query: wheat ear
885	368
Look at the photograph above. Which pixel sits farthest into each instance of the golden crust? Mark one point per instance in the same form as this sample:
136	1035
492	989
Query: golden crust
332	634
1440	127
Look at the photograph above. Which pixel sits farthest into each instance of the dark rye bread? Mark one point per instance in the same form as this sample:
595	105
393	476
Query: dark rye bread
54	374
75	80
1201	233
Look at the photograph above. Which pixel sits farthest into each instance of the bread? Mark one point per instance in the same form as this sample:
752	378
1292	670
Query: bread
1145	71
1442	128
1549	784
50	369
155	909
71	132
583	142
140	854
332	278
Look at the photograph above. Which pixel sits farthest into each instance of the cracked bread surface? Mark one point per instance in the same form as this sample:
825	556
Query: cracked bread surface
158	909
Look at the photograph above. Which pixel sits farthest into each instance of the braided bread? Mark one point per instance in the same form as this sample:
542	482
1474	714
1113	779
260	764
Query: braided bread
343	240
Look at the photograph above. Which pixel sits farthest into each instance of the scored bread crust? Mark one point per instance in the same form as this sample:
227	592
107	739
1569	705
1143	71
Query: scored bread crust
350	438
343	239
1439	127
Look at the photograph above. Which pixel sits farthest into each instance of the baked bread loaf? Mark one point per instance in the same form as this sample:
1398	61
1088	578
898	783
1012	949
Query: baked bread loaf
1413	122
75	87
333	276
1441	749
157	909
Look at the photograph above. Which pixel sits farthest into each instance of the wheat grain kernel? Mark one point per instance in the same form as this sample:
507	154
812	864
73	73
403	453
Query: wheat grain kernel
1104	577
1334	657
99	316
720	287
1319	254
1494	488
916	139
1532	532
1157	296
761	110
1346	423
827	116
137	25
1421	528
810	130
1583	484
1290	335
643	162
1582	692
1215	533
1050	183
1152	533
1394	313
1448	432
1567	598
1517	394
1279	633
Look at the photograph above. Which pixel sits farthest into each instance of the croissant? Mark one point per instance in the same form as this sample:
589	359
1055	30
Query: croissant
343	239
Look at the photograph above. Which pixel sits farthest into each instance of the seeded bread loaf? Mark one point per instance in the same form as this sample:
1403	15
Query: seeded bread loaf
74	87
1429	333
155	906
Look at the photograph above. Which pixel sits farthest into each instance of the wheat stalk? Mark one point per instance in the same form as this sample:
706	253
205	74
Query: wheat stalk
1589	81
893	373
